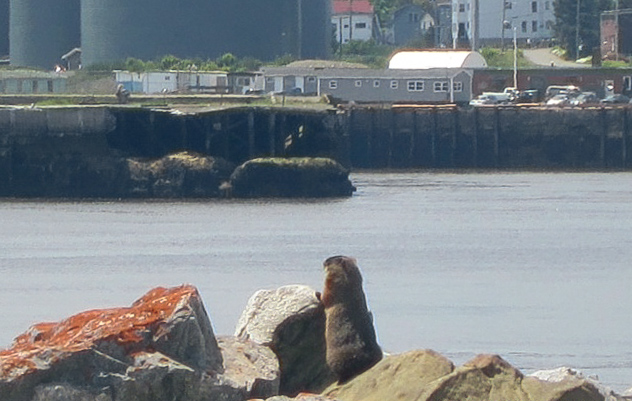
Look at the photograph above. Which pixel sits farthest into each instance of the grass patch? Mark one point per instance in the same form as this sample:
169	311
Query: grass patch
503	59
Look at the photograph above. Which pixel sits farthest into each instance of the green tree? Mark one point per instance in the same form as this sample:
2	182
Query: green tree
566	24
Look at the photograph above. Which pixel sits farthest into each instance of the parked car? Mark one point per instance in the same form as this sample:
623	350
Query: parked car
584	98
554	90
558	100
528	96
617	98
484	99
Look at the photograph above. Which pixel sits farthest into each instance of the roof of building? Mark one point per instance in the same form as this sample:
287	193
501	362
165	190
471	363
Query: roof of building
424	59
358	73
325	64
355	6
30	74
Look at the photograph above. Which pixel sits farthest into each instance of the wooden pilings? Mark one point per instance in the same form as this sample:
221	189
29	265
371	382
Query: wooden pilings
489	137
391	137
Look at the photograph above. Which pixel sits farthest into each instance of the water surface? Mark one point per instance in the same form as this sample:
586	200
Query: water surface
532	266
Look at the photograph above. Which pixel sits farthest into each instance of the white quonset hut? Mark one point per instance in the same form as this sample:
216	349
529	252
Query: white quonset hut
428	59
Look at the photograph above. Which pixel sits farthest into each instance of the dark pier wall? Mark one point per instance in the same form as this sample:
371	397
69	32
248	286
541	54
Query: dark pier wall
501	137
236	134
43	151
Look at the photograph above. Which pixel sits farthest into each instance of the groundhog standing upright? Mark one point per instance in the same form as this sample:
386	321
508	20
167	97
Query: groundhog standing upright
349	334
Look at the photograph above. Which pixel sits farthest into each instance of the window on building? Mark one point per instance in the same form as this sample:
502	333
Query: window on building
394	84
333	84
415	86
508	5
549	24
413	17
627	82
524	26
35	87
547	5
358	83
20	86
49	85
376	83
461	8
360	25
311	79
441	86
457	86
534	6
534	26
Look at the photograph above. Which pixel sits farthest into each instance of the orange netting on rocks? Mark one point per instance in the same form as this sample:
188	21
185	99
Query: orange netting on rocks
125	326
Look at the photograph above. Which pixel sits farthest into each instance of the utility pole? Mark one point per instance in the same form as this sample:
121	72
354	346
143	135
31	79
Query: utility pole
616	32
502	26
300	29
474	24
515	60
350	20
577	32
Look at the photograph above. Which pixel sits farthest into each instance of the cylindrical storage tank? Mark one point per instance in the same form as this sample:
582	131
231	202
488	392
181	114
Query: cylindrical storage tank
316	29
113	30
41	31
4	28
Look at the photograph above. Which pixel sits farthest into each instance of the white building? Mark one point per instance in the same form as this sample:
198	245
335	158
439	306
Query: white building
479	22
353	20
174	81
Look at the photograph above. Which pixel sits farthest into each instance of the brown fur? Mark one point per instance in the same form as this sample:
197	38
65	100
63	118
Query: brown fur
350	337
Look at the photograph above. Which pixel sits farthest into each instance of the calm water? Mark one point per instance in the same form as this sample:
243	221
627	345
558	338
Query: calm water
535	267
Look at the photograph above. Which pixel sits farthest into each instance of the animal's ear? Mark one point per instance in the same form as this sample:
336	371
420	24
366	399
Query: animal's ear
318	295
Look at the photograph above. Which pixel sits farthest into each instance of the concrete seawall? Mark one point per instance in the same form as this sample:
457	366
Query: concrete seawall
41	148
494	137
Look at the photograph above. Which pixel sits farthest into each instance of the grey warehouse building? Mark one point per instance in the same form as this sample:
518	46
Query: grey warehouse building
436	85
113	30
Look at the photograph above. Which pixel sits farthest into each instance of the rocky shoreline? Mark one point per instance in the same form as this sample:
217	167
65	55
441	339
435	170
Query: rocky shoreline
163	347
182	175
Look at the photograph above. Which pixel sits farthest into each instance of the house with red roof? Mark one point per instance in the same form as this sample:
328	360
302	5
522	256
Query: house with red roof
354	20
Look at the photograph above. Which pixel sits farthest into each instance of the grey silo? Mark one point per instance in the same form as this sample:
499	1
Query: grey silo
114	30
4	28
41	31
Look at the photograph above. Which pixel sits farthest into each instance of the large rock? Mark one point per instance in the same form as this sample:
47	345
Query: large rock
291	321
183	174
427	376
252	369
573	376
291	177
162	348
406	377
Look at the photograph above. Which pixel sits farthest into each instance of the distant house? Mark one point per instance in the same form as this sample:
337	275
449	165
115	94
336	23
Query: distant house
410	22
443	24
31	82
439	85
616	33
354	20
478	23
427	59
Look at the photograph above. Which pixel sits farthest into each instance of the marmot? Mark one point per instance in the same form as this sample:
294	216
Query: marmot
349	334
